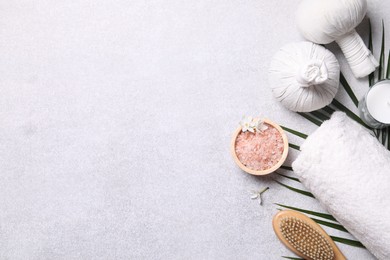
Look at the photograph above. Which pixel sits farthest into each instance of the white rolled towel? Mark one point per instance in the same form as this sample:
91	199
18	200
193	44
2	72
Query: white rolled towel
348	171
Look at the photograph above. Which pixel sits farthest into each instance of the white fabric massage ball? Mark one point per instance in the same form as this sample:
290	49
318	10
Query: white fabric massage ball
304	76
325	21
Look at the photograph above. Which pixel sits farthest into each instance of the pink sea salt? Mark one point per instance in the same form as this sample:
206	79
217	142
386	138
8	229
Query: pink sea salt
260	151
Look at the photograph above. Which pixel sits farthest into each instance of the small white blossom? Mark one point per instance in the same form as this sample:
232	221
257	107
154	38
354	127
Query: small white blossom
252	125
257	195
247	124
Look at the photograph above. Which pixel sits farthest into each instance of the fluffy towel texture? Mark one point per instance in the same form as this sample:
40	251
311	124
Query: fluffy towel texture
348	171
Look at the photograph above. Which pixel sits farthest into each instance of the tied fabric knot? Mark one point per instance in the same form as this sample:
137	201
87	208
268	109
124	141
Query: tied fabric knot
313	72
304	76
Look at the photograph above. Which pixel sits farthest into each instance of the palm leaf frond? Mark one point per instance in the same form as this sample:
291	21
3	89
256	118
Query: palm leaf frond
303	192
320	116
371	47
328	110
384	136
388	138
294	132
346	241
294	146
330	224
381	68
288	177
310	212
288	168
388	67
311	119
349	90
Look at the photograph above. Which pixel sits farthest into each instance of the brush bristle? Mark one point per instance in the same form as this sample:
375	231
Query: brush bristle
306	239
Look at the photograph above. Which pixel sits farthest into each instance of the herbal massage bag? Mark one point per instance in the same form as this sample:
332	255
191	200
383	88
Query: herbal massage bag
348	171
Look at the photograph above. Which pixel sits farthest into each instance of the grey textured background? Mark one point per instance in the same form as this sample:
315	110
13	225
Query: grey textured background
115	123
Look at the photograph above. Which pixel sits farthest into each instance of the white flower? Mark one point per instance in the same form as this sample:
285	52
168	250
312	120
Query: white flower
247	124
257	194
252	125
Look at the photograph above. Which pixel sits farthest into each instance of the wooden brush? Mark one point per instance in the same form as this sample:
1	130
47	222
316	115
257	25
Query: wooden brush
305	237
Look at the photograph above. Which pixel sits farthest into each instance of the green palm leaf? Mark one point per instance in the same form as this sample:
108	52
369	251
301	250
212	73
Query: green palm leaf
311	119
384	136
303	192
328	110
346	241
348	89
388	138
294	132
288	168
388	67
321	117
288	177
381	68
310	212
330	224
370	46
294	146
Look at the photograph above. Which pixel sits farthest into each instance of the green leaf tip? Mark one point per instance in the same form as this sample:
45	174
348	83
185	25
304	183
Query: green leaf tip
303	192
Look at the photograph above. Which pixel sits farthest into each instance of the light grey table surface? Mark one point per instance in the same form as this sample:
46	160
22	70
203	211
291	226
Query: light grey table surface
115	123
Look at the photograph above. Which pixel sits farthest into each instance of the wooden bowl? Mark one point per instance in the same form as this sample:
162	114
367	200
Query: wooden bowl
273	168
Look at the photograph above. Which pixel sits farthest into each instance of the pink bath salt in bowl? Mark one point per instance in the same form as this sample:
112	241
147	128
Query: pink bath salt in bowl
261	152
